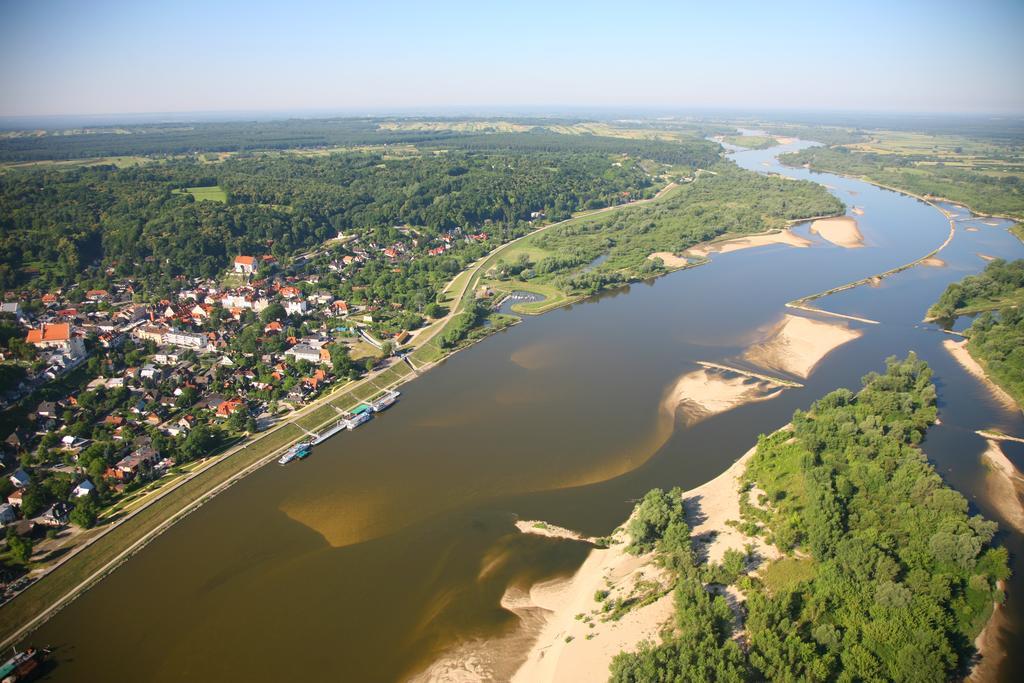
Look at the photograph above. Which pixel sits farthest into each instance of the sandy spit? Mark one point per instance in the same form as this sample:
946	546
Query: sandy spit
986	257
958	349
1005	485
669	259
702	393
934	262
553	659
539	528
726	246
797	344
857	210
991	646
841	231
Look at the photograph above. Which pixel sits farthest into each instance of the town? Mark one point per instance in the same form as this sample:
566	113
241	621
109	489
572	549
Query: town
105	394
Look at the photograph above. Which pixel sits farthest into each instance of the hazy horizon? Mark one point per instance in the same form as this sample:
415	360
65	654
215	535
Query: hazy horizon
115	58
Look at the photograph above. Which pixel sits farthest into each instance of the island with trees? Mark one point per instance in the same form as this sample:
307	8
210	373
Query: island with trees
860	563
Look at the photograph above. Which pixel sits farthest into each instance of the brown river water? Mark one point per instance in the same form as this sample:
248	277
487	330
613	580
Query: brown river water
391	546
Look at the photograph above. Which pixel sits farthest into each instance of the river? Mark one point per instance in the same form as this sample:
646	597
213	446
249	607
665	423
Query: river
391	546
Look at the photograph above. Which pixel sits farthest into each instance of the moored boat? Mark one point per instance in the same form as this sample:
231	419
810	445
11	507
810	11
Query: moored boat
385	401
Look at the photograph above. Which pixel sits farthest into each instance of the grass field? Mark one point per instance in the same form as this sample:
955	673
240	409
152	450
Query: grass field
206	194
68	164
751	141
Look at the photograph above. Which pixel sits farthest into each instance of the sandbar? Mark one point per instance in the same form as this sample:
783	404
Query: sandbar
706	392
841	231
738	243
796	344
669	259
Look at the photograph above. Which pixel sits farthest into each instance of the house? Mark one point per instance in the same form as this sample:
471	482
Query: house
57	337
20	479
245	265
151	333
84	488
17	441
296	307
150	372
57	515
47	409
230	406
167	356
185	339
16	497
340	307
73	443
273	327
304	351
97	295
7	514
13	309
135	463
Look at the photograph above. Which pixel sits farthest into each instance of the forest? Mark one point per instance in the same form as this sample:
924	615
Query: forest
65	226
885	573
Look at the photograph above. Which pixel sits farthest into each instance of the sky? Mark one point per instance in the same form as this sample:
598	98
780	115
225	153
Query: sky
60	57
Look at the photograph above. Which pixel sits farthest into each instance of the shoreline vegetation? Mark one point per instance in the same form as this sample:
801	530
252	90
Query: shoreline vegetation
78	571
770	564
994	347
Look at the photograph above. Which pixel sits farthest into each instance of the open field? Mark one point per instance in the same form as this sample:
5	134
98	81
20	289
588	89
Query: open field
206	194
120	162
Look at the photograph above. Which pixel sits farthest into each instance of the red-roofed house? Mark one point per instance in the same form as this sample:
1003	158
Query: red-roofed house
56	337
230	406
245	265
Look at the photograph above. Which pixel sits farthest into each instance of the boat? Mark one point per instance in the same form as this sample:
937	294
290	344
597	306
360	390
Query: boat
358	418
299	450
23	666
385	401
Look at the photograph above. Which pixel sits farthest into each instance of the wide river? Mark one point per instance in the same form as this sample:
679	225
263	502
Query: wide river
390	547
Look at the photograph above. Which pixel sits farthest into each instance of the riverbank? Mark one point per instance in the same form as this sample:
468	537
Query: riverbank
958	349
1005	485
568	648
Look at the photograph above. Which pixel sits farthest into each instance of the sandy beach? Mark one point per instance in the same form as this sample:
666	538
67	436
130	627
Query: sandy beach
725	246
933	262
669	259
1005	485
991	646
797	344
703	393
841	231
958	349
568	649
